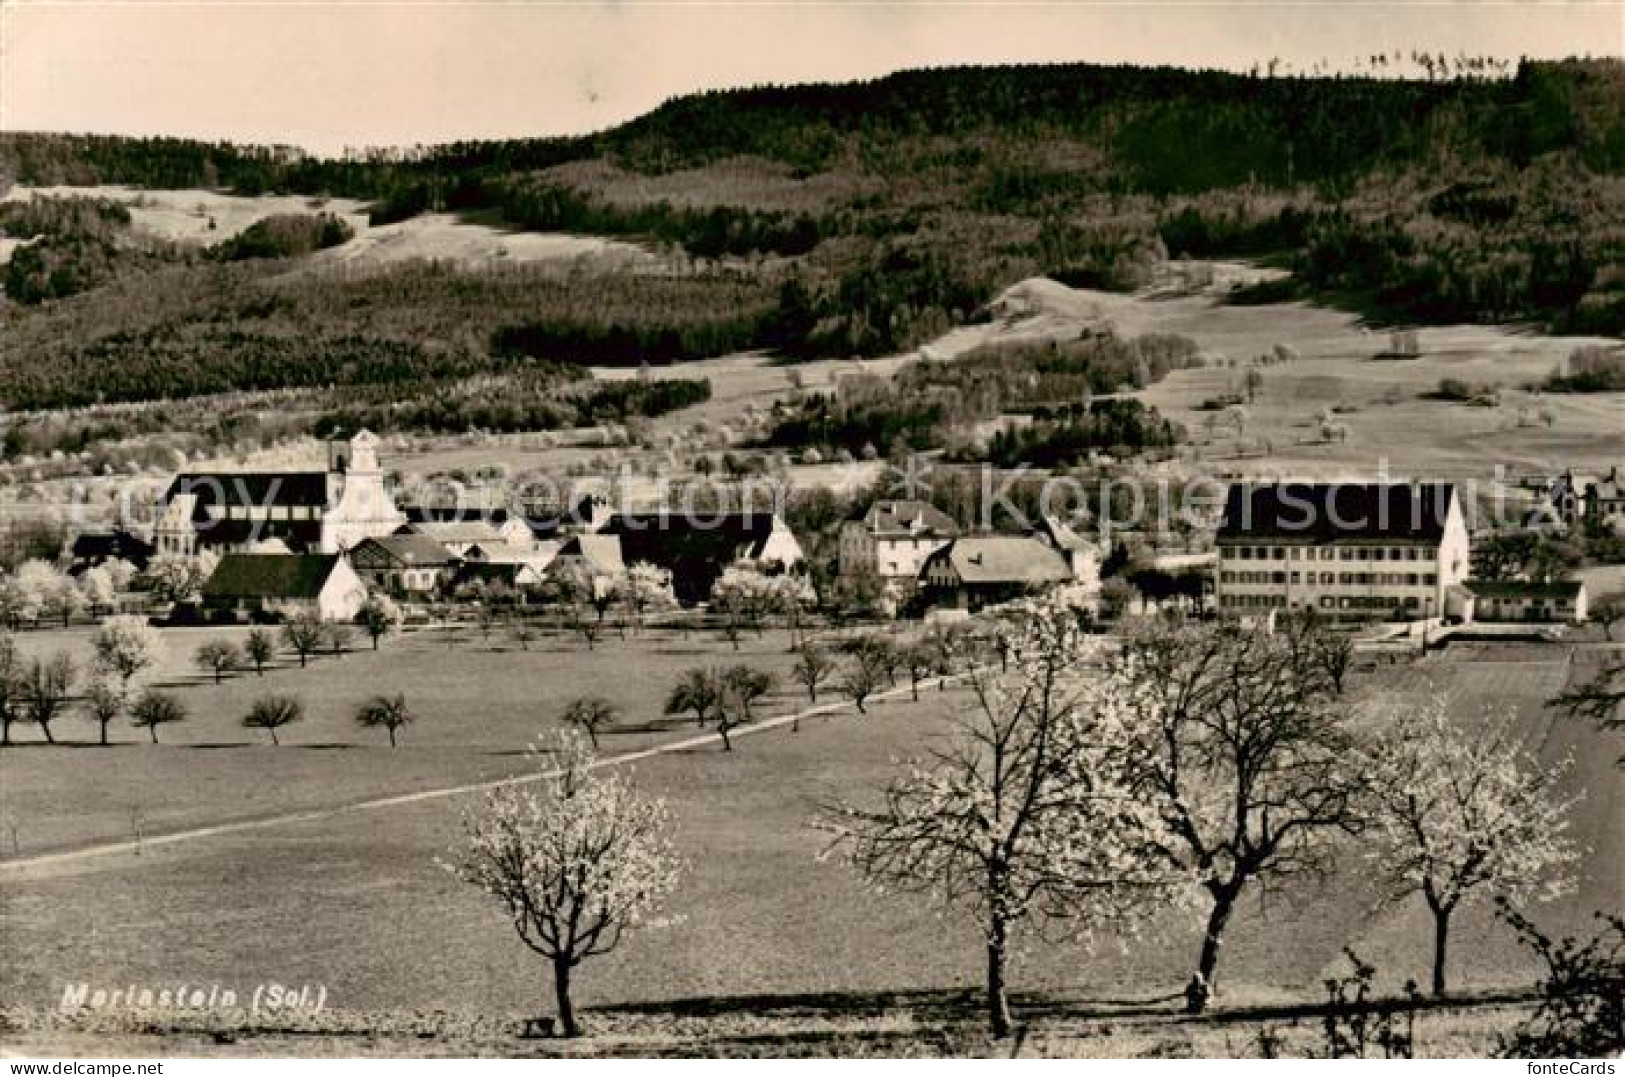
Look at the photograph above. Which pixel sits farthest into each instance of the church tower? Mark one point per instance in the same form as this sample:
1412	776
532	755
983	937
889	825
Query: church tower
359	505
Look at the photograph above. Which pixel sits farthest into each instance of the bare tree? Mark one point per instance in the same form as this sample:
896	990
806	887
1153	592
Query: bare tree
103	704
862	675
591	715
813	667
46	688
1250	765
154	709
260	649
1464	811
1027	812
303	635
389	713
271	713
218	657
12	689
576	864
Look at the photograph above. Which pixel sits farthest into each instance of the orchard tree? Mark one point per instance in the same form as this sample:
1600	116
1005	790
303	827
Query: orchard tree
124	646
1463	813
12	690
919	660
303	634
1607	611
178	577
389	713
699	691
46	687
592	715
260	649
576	863
863	673
219	657
742	686
644	588
154	709
813	667
1027	814
339	636
378	616
1246	757
271	713
103	704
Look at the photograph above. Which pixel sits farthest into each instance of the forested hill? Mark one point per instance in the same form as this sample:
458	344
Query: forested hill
1158	130
840	220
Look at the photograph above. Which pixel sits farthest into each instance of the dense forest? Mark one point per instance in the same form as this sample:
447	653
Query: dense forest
837	220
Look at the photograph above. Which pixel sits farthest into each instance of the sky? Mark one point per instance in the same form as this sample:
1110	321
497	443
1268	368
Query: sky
331	74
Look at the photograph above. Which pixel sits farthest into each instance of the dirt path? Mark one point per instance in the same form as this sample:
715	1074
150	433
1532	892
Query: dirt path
21	865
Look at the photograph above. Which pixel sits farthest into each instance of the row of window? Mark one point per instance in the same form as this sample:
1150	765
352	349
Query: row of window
1327	602
1327	553
1327	579
266	512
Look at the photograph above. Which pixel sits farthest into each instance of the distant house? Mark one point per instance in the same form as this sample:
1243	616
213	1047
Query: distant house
93	548
893	538
404	564
285	585
514	575
325	511
1347	550
457	536
696	548
598	556
982	570
1082	556
510	527
1605	502
1560	601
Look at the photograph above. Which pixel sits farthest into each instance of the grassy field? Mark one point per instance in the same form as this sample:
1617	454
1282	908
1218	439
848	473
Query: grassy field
357	901
210	768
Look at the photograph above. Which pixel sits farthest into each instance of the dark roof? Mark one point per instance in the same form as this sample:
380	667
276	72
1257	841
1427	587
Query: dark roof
298	534
1564	589
98	546
259	488
695	549
908	517
270	575
1334	512
1001	559
407	548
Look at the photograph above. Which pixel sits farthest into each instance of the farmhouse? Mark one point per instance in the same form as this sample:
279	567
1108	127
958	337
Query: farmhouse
286	585
403	564
1560	601
310	511
456	536
1605	502
696	548
1081	555
893	538
1347	550
981	570
509	527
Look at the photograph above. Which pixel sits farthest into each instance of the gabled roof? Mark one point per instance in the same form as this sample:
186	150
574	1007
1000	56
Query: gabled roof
897	518
256	575
695	549
1338	512
297	534
1060	533
257	488
1001	559
479	531
602	553
1558	589
408	549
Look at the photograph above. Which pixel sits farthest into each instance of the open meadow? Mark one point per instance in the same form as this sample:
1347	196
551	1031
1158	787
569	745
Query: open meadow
357	901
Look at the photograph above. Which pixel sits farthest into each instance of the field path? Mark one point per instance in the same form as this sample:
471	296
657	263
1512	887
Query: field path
21	865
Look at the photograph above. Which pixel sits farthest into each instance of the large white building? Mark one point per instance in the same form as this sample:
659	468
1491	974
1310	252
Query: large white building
326	511
893	539
1347	550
